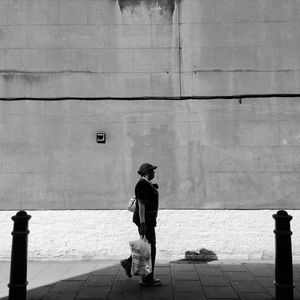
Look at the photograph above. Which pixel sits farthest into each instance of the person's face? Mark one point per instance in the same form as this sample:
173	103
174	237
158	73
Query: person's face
151	174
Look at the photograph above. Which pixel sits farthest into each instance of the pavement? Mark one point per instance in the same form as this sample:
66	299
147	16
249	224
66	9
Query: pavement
182	280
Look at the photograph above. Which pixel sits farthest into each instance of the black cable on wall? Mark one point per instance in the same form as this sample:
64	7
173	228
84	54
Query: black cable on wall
239	97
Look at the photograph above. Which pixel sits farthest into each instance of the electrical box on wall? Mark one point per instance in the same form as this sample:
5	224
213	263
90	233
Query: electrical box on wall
101	138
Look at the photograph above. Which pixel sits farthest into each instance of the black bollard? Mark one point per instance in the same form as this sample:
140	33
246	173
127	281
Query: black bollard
284	285
18	265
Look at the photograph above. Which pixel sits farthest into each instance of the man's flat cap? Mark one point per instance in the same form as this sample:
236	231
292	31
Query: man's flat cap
144	168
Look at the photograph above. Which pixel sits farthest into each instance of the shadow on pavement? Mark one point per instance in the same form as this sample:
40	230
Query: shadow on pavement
182	279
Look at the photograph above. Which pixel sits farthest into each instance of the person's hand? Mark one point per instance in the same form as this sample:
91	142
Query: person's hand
155	185
143	229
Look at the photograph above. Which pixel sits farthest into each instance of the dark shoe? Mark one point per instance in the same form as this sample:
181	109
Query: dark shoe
151	282
127	267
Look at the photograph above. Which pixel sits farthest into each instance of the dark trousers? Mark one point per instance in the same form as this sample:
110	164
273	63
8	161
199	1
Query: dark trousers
151	237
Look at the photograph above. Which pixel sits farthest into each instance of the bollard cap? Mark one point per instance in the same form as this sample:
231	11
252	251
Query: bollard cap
282	213
21	216
21	213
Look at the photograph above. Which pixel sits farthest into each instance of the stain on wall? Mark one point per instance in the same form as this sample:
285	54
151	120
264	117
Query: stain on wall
28	78
32	77
164	7
8	77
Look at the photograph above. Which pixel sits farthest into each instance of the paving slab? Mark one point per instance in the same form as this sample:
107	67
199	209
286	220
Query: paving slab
233	268
296	276
260	270
271	291
100	280
80	270
239	276
155	298
92	292
34	268
52	273
214	280
220	292
4	270
157	292
248	286
163	270
38	293
165	279
255	296
266	281
182	267
117	295
67	286
296	294
130	286
59	296
185	276
3	288
189	295
106	270
186	286
209	270
122	275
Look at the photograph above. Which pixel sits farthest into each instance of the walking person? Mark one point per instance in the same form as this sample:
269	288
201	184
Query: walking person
144	217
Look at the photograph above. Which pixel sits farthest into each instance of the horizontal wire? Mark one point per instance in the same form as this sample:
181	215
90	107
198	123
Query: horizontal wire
225	97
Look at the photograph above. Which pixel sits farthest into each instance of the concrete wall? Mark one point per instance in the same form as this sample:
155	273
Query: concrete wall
211	154
88	48
123	48
240	46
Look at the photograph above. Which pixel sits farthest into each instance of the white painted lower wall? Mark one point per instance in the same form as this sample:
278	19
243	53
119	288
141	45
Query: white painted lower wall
104	234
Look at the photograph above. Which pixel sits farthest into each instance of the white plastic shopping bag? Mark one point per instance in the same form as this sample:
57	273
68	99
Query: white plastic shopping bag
141	257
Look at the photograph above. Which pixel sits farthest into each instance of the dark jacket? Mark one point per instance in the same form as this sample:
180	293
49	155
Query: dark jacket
147	194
